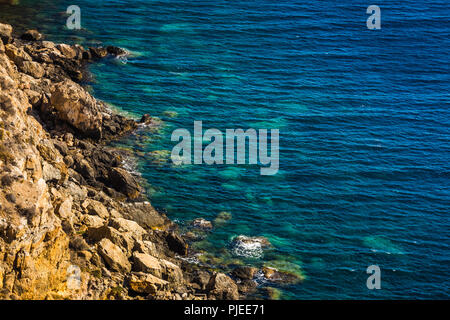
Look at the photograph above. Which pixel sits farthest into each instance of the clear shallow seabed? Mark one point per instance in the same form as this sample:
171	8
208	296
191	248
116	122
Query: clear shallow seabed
363	117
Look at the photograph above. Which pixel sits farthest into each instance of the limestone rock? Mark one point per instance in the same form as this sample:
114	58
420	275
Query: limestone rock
222	287
124	182
146	283
245	272
176	243
5	33
66	50
97	208
113	256
146	263
77	107
125	225
31	35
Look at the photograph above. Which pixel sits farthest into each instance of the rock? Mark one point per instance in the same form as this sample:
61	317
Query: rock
290	275
77	107
146	118
202	224
177	244
116	51
222	218
17	55
146	283
85	169
113	256
49	172
98	53
247	286
222	287
249	246
272	293
146	247
31	35
94	207
245	272
123	240
125	225
2	48
93	221
64	209
201	278
32	68
146	263
5	33
171	272
67	51
124	182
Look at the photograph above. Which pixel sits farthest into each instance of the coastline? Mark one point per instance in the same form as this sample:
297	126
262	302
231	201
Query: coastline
74	224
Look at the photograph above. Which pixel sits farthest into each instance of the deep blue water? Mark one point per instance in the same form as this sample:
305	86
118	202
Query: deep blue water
363	118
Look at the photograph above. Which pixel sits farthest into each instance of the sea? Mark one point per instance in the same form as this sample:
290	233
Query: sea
363	118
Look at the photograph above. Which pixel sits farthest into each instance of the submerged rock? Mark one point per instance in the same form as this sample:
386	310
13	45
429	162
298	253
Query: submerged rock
202	224
251	247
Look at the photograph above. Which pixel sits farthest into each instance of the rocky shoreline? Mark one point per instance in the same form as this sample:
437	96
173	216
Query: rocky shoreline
74	223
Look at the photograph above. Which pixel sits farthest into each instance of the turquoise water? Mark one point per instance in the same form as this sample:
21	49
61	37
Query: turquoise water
363	119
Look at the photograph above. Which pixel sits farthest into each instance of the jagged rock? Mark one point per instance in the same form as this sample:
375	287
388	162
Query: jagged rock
245	272
49	172
67	51
17	55
222	287
176	243
77	107
202	224
5	33
247	286
146	247
125	225
32	68
146	283
31	35
113	256
201	278
116	51
171	272
124	182
98	53
93	221
125	241
146	263
94	207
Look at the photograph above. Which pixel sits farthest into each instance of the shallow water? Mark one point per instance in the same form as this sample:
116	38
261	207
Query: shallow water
363	118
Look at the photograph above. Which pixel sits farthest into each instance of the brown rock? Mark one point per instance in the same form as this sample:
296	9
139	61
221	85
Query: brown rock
146	283
201	223
245	272
146	263
177	244
124	182
222	287
77	107
31	35
67	51
113	256
5	33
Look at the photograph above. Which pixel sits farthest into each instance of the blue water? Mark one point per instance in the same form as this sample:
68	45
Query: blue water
363	118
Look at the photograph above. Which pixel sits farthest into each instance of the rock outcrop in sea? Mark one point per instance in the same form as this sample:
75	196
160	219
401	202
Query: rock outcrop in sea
74	223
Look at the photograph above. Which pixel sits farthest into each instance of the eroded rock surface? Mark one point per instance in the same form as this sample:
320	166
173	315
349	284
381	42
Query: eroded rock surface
74	224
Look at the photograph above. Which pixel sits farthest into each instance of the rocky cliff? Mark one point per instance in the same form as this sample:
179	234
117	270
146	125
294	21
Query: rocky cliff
74	224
